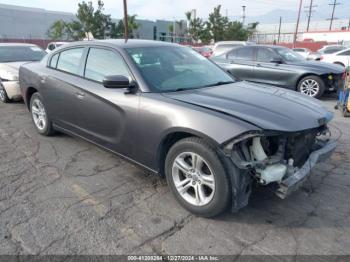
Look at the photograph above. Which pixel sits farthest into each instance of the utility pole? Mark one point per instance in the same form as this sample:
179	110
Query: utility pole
297	25
279	30
310	11
333	11
126	26
243	15
174	30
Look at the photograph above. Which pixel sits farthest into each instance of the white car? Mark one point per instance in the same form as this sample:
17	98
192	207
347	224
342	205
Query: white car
223	46
304	52
53	45
340	58
327	49
12	56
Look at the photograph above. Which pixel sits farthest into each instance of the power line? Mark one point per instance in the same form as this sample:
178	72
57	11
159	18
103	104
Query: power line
310	11
333	11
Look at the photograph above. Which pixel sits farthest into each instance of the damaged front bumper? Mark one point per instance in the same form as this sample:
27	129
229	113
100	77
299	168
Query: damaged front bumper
292	183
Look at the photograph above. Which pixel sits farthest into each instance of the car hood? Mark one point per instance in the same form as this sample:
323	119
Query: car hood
320	66
9	71
267	107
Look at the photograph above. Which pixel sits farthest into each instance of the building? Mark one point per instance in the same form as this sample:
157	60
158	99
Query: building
25	24
268	33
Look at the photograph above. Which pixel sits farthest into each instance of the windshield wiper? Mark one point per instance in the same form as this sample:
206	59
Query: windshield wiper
220	83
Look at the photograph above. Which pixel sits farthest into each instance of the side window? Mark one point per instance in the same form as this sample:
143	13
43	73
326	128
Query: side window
53	61
232	54
265	55
69	60
346	53
102	62
245	53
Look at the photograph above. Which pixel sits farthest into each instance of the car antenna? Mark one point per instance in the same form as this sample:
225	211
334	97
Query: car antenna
126	27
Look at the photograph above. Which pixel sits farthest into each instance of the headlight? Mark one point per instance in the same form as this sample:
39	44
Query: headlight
229	145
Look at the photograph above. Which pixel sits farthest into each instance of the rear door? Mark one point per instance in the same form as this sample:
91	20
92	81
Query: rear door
241	62
60	86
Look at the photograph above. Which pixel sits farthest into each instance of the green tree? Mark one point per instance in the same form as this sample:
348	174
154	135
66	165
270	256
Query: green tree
217	24
205	35
195	26
75	31
89	19
92	20
171	28
117	30
57	30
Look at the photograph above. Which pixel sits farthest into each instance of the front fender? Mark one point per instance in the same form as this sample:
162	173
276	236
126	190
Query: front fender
161	117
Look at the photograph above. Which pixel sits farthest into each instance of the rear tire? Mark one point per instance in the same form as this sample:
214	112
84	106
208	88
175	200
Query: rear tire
312	86
197	177
41	119
3	95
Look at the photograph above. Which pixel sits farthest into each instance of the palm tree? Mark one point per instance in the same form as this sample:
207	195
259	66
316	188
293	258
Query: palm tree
133	25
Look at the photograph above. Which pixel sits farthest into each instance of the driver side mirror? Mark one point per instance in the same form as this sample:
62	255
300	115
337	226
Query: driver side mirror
118	81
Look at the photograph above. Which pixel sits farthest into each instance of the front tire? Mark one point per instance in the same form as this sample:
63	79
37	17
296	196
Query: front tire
197	177
40	117
311	86
3	95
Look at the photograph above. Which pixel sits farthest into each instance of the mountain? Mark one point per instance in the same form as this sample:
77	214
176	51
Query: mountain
320	13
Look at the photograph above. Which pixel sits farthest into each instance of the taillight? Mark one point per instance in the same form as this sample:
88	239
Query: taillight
321	58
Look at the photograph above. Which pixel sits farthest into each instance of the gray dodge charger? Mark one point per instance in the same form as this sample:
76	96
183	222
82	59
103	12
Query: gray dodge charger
173	112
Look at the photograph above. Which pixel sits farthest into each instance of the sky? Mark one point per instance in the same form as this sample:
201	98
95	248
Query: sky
175	9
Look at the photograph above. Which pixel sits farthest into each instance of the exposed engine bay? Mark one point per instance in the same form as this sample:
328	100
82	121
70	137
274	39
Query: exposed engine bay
284	159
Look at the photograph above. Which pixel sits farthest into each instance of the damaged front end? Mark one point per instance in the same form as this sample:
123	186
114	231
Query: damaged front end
283	160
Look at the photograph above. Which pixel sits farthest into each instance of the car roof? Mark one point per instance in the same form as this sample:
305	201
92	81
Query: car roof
16	44
341	51
131	43
59	42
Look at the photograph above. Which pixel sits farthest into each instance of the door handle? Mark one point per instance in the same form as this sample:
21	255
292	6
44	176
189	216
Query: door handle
80	95
258	65
43	79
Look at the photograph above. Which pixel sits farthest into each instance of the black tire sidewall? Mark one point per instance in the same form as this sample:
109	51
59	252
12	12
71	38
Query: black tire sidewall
222	194
6	97
318	80
48	128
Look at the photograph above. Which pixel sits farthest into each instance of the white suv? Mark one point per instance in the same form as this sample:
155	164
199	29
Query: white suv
340	58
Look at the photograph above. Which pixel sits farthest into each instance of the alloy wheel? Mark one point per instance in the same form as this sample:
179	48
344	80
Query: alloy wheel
39	114
193	178
310	87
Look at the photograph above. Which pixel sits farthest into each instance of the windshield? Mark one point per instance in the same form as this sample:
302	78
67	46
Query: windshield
20	53
168	69
289	55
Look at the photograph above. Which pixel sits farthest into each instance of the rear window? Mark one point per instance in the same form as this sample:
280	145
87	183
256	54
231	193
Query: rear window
242	53
69	60
20	53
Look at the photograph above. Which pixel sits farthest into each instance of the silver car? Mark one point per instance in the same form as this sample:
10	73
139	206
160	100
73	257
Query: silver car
12	56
